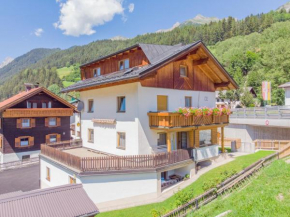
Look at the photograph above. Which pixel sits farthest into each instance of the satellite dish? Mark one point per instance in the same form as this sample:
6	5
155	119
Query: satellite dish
80	106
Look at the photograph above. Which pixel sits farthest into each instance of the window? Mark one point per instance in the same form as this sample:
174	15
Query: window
97	72
121	104
205	137
47	174
72	180
121	140
90	106
52	138
124	64
46	104
163	176
188	101
162	139
25	157
90	135
31	104
52	122
25	122
183	71
24	141
162	103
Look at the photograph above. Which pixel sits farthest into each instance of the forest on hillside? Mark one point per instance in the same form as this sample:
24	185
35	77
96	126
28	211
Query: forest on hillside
245	47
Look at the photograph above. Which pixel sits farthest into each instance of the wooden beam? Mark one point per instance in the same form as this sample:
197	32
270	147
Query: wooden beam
196	139
200	62
223	139
191	139
223	84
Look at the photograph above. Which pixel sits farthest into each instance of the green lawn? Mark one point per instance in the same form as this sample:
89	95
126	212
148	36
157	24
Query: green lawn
198	187
267	195
67	83
64	71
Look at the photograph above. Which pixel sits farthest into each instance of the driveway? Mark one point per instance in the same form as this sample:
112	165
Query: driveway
20	179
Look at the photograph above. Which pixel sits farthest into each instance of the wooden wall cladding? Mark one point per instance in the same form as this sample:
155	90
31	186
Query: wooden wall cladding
136	58
169	77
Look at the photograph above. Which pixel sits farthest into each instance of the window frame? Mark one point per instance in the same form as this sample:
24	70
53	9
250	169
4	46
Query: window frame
119	100
190	98
32	102
124	64
162	133
25	127
186	71
30	141
119	134
91	140
49	122
50	135
97	72
48	104
90	109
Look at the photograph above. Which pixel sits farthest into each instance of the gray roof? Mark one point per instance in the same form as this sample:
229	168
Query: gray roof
156	54
61	201
285	85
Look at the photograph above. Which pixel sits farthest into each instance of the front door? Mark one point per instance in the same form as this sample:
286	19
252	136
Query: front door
182	140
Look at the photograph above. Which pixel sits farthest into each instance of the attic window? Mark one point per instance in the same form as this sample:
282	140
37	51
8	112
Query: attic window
124	64
97	72
183	71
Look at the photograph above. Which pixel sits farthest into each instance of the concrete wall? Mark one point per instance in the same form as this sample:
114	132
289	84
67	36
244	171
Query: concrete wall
5	158
207	152
249	133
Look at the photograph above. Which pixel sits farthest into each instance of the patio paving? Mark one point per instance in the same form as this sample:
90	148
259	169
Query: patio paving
83	152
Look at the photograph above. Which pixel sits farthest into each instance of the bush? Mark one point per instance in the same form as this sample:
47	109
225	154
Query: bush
182	197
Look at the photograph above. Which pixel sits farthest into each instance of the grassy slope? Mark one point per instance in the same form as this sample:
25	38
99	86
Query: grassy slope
144	211
260	198
64	71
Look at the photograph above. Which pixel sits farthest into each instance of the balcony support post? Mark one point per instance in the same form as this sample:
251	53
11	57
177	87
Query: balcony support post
191	139
196	138
223	139
214	136
168	136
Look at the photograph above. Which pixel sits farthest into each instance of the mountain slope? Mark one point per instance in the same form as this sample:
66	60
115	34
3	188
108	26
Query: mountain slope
24	62
285	7
200	20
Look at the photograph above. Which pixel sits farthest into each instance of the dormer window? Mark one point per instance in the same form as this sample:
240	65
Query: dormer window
124	64
183	71
97	72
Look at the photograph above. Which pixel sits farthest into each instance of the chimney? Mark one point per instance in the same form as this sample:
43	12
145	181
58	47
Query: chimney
36	85
28	86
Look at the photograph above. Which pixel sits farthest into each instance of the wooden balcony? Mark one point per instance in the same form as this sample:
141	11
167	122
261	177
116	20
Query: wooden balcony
37	112
116	163
176	120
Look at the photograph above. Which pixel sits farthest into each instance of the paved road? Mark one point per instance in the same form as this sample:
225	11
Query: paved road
20	179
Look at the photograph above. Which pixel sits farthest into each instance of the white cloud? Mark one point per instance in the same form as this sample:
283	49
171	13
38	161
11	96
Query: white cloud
78	17
38	32
131	7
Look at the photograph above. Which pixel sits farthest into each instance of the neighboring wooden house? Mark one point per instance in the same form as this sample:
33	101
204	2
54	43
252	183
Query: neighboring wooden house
130	98
29	119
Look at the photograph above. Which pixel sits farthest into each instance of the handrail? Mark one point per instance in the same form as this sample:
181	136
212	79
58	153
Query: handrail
276	112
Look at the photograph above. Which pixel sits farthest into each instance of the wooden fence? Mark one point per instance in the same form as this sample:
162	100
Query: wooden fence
110	163
271	144
228	184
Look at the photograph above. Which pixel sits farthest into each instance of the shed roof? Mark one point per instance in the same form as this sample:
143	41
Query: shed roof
61	201
285	85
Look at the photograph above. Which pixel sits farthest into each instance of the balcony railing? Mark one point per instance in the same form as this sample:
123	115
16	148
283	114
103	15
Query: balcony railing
172	120
117	163
37	112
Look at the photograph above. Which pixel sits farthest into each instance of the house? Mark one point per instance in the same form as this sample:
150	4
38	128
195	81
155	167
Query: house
135	145
30	118
286	87
61	201
228	102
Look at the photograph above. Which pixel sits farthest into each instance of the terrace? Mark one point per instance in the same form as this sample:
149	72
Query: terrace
85	160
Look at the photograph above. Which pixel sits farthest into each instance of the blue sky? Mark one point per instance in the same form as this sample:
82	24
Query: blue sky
29	24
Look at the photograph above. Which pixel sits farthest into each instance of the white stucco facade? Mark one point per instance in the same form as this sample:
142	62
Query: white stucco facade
140	139
287	95
5	158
